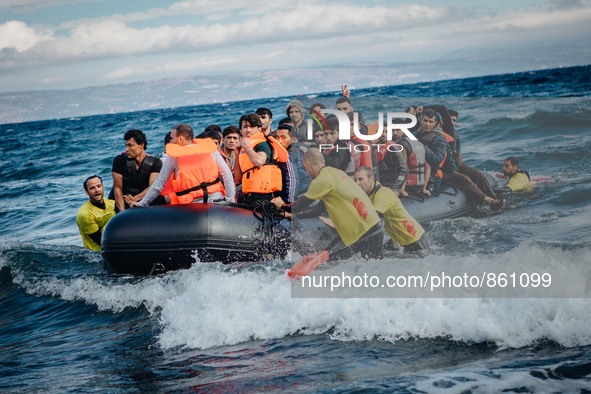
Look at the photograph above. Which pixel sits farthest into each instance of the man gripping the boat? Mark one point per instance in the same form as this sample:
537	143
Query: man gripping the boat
350	209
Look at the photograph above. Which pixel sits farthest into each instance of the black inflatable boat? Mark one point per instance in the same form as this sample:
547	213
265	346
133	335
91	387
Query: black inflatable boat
162	238
157	239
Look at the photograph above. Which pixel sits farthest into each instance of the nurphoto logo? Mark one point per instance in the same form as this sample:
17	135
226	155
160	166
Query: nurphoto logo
345	127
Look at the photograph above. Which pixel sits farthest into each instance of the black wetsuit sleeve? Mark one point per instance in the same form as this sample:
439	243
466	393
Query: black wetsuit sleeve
396	160
96	237
302	208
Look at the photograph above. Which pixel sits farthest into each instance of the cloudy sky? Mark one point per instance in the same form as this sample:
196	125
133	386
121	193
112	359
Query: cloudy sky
66	44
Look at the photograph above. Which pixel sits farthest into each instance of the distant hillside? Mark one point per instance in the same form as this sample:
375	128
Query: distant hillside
409	79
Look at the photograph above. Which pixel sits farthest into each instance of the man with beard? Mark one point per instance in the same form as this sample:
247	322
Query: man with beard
519	180
94	215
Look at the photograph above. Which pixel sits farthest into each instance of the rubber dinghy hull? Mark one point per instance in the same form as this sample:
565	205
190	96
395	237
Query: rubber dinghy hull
164	238
157	239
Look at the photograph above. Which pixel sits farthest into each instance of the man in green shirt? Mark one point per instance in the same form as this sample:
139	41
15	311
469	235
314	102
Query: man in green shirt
351	212
403	229
94	215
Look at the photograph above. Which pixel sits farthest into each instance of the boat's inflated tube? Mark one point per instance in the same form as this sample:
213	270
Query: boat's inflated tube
163	238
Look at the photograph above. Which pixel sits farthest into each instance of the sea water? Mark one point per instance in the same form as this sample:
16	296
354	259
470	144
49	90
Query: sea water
67	325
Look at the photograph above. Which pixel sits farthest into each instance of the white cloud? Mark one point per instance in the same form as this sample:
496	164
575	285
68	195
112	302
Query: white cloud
17	35
234	35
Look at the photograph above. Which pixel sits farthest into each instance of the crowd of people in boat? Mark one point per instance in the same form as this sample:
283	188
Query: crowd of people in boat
359	183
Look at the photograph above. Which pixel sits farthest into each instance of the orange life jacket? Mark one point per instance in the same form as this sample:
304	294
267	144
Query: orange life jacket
197	174
267	178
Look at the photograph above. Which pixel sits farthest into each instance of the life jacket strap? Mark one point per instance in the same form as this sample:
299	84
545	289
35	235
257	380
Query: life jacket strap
203	185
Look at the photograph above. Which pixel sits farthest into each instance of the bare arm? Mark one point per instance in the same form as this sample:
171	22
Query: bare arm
118	190
154	190
257	158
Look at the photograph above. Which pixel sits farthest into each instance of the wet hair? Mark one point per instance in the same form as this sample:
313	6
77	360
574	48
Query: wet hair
286	126
137	135
84	184
252	119
264	111
185	130
514	160
453	112
168	138
213	127
231	130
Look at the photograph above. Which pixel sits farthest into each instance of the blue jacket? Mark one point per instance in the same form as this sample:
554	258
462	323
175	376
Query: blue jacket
296	157
435	147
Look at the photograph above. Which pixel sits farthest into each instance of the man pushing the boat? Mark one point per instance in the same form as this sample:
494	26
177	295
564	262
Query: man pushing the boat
350	209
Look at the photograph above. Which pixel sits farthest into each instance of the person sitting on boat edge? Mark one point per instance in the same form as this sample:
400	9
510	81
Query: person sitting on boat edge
519	180
95	213
402	228
134	171
192	172
353	216
455	153
263	163
440	158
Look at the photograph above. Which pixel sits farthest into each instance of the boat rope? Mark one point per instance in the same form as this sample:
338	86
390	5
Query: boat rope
269	217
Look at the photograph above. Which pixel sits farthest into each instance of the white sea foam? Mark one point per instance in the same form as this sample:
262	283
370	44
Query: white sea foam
496	380
209	306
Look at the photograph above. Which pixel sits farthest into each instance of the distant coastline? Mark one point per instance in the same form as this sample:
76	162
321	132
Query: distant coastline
28	106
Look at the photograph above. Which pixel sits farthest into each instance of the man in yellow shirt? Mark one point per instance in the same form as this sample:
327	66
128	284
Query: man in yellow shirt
519	180
398	223
351	212
94	215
